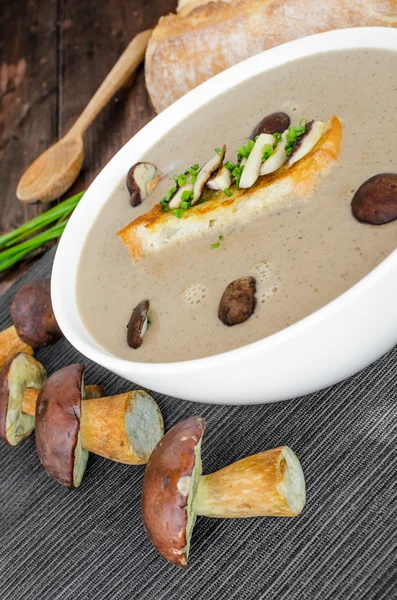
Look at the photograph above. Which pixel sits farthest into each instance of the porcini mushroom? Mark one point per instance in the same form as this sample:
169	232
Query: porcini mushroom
123	428
205	173
238	301
314	131
220	180
276	122
34	323
277	159
20	373
138	324
268	484
141	181
253	165
375	201
21	378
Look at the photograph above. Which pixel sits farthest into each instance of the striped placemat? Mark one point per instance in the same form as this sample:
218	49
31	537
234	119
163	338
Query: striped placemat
90	544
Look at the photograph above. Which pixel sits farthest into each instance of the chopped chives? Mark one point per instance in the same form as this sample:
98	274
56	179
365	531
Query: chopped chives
218	150
215	245
227	192
178	212
186	195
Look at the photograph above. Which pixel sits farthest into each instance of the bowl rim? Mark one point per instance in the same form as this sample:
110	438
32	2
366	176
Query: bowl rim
65	269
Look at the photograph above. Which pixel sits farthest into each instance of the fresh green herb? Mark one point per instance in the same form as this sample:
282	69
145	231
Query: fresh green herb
61	210
256	137
178	212
293	136
229	165
186	195
170	194
215	245
164	201
193	179
277	136
227	192
220	237
218	150
196	167
186	205
182	180
267	151
245	151
20	243
237	172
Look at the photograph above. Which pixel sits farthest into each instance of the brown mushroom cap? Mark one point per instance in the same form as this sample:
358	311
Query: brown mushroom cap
169	486
138	324
58	413
276	122
238	301
375	201
20	372
32	314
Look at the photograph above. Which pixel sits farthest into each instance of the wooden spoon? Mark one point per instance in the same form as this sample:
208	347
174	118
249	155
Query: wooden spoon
50	175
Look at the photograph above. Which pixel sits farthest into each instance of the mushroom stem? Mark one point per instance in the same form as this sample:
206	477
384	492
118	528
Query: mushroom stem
109	426
30	397
29	401
121	427
11	344
269	484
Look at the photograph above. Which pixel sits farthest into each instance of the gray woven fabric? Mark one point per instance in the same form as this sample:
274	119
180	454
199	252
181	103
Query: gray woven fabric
90	543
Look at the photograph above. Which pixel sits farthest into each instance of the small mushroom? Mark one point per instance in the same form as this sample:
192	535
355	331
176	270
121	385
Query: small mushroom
220	180
375	201
18	374
277	159
141	181
238	301
253	165
205	173
314	131
123	428
269	484
138	324
276	122
177	199
32	314
34	324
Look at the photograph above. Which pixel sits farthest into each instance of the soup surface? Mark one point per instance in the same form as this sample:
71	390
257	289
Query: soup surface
302	255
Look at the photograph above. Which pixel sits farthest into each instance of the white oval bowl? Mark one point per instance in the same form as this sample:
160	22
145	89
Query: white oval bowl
334	342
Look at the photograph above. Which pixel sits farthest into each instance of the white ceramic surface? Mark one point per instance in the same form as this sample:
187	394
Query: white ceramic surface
324	348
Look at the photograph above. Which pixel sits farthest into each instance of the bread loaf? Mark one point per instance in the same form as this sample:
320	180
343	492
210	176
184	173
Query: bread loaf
205	37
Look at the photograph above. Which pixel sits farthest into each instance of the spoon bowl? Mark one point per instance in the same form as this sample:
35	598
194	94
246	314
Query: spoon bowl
53	172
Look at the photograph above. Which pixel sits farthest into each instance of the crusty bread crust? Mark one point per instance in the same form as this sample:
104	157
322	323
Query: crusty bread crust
156	229
186	50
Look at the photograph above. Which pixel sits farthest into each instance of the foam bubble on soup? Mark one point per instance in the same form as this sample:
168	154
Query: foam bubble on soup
195	293
267	284
262	271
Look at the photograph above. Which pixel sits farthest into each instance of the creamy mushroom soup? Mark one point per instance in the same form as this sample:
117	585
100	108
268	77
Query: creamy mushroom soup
302	254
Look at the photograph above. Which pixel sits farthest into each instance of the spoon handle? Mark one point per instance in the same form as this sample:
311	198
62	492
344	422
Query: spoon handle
117	78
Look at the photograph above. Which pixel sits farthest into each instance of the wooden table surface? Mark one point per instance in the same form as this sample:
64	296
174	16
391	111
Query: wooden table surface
53	56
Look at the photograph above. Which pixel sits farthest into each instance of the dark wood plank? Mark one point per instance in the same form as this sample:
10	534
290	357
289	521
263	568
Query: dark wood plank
69	47
28	98
94	35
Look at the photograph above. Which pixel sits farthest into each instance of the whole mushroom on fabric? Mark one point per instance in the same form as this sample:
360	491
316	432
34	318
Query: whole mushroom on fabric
72	420
34	323
268	484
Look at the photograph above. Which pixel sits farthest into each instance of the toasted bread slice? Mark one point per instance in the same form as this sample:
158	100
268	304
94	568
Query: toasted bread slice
156	229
